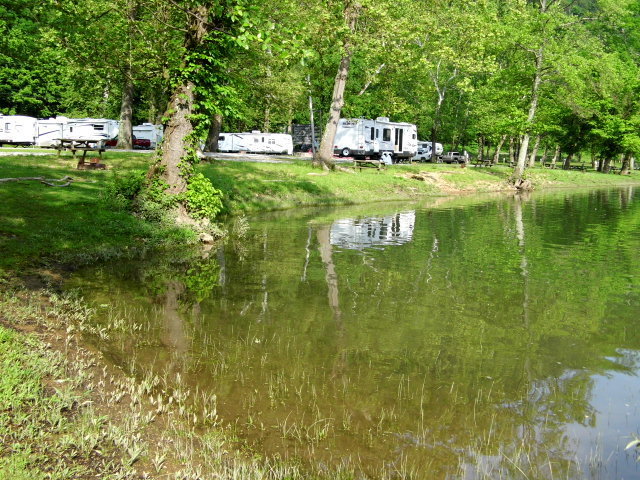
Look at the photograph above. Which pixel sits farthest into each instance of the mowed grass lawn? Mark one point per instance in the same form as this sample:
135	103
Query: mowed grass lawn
251	187
39	223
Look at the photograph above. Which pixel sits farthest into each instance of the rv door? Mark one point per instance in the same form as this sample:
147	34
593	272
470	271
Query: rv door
399	139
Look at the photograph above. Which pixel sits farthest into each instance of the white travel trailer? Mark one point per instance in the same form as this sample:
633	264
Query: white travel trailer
424	151
377	138
360	233
92	129
49	131
256	142
17	130
149	131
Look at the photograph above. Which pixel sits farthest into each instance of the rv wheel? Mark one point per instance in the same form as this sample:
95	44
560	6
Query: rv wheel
346	152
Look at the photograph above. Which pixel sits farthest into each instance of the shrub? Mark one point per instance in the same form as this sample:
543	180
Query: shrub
203	199
123	189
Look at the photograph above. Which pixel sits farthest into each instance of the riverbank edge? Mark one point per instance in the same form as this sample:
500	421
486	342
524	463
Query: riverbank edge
89	418
104	397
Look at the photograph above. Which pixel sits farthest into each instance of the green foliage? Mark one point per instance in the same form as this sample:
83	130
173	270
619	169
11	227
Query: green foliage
462	67
203	199
201	277
153	203
122	190
17	385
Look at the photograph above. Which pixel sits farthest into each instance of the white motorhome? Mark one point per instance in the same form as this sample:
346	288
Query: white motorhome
256	142
424	151
49	131
149	131
377	138
17	130
90	129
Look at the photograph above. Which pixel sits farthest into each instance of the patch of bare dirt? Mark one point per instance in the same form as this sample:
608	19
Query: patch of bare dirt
439	180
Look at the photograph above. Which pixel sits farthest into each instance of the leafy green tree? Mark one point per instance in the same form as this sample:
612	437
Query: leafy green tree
212	34
31	61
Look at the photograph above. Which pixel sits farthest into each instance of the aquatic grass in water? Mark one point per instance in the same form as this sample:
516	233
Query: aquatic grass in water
458	349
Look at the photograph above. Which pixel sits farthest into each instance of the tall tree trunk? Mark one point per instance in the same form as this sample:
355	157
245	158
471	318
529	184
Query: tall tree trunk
543	159
480	148
213	136
534	152
179	110
556	156
434	135
533	106
456	138
178	127
441	88
463	134
496	156
567	162
324	155
125	131
626	164
512	152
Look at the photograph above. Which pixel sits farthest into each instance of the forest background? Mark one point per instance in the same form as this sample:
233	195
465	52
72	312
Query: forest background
551	76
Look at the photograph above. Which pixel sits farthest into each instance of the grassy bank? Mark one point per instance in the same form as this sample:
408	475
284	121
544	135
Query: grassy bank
253	187
42	225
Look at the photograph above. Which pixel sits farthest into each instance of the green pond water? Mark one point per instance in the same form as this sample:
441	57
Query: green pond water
475	337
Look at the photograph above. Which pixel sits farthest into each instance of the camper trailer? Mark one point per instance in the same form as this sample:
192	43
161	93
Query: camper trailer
92	129
361	138
256	142
17	130
49	131
424	152
149	131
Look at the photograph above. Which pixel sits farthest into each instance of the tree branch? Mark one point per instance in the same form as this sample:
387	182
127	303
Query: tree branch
366	86
46	181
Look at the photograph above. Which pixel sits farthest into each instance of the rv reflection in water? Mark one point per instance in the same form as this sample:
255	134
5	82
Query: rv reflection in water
373	231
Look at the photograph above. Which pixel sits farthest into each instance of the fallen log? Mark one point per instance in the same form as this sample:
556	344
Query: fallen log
52	182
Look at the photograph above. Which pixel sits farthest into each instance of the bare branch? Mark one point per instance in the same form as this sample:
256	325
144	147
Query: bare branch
366	86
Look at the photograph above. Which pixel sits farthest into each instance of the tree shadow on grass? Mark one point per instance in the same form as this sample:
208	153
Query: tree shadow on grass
41	224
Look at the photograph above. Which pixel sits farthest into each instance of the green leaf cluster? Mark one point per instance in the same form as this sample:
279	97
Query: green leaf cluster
202	198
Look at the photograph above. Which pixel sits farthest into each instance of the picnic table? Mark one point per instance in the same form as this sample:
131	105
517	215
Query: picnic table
485	162
581	167
82	145
378	164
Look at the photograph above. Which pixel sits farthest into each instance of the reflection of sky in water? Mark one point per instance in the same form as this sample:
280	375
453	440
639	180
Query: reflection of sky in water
366	232
598	441
615	398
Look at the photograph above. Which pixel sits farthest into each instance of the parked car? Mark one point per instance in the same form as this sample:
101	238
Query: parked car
137	142
455	157
424	152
